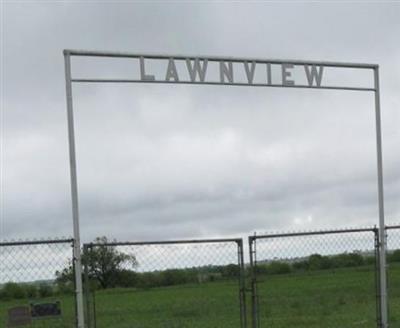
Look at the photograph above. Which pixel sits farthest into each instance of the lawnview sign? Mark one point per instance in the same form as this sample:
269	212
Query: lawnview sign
195	71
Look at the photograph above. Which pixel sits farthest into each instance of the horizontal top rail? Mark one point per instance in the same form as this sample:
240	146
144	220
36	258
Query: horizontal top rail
36	242
392	227
312	233
85	80
91	53
167	242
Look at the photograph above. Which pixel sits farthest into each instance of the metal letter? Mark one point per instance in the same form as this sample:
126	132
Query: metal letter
226	71
314	74
171	71
143	75
250	71
197	68
286	74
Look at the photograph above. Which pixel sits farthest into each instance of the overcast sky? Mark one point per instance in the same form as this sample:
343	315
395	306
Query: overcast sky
168	161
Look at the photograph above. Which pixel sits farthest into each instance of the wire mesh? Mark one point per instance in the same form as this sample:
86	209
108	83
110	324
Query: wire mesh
315	279
172	284
32	290
393	273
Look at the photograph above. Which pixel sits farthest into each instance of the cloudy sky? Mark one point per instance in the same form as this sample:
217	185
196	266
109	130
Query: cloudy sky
172	161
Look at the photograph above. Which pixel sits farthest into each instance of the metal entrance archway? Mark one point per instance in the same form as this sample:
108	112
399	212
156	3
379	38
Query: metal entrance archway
197	74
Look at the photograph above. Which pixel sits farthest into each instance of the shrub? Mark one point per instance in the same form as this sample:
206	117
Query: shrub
301	265
126	278
370	260
30	290
45	290
66	288
230	270
347	260
12	290
261	269
319	262
149	280
173	277
277	267
395	256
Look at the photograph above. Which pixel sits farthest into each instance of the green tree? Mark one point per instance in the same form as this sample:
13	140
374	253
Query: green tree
395	256
12	290
105	264
230	270
278	267
45	290
319	262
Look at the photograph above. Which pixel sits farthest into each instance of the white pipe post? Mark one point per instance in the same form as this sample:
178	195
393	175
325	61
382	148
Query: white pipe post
74	194
382	230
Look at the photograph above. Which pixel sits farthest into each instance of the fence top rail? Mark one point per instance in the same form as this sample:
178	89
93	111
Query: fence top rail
36	242
312	233
91	53
167	242
392	227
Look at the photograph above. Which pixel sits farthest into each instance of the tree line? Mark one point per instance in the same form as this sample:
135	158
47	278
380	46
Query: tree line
109	268
317	262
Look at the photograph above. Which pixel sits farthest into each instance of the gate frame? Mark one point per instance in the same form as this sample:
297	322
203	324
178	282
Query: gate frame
240	262
68	53
388	228
255	314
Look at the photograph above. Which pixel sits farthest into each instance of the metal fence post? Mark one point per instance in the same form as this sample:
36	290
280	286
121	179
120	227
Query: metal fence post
242	285
74	283
382	233
377	278
87	286
254	305
74	192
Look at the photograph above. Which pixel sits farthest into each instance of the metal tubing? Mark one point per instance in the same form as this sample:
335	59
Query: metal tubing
382	230
88	53
36	242
377	280
84	80
392	227
254	307
165	242
310	233
87	288
74	193
242	285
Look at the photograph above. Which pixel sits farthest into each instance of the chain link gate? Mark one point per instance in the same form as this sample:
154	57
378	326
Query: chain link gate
393	273
315	279
184	283
36	284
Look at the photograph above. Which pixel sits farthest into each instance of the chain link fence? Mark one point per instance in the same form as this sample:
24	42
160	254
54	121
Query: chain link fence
198	283
32	291
315	279
393	272
307	279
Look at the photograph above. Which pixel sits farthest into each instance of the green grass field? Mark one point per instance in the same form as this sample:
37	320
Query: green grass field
344	298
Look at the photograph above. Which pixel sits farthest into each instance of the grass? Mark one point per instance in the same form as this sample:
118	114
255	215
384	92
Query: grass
340	299
207	305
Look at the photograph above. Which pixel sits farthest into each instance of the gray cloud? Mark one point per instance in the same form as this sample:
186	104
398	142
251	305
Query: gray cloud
184	161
